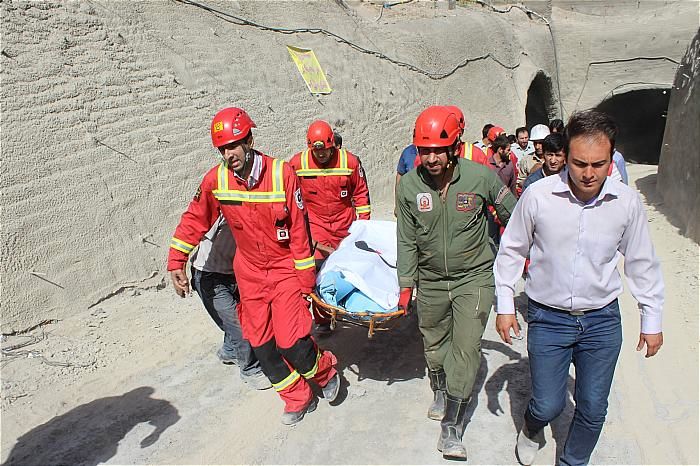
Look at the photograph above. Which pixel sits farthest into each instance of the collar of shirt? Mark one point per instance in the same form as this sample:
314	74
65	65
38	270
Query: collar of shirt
492	161
562	186
254	172
427	179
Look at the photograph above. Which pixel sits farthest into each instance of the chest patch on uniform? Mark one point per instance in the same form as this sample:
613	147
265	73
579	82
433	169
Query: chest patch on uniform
198	194
424	201
343	193
298	199
466	202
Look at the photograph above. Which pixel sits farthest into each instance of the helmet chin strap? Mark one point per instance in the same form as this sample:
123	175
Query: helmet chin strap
248	160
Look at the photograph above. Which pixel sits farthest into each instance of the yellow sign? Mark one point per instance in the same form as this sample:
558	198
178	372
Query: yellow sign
310	70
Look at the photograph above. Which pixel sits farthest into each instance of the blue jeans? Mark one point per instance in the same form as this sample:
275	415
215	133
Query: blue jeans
592	342
219	293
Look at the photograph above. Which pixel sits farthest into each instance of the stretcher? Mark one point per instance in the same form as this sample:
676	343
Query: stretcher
358	284
374	321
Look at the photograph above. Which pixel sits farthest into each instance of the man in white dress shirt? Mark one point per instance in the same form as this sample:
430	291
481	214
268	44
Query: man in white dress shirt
575	226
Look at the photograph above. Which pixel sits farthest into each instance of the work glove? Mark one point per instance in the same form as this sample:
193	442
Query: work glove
405	299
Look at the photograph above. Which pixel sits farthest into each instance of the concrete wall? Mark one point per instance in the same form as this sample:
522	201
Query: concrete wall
107	105
679	167
606	48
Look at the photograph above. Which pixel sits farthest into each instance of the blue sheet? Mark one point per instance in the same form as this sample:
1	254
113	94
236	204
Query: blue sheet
337	291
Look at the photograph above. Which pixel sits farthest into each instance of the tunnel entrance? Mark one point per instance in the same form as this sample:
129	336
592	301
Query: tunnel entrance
540	101
641	116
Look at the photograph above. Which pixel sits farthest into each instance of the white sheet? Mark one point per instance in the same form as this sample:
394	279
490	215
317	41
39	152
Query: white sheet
366	270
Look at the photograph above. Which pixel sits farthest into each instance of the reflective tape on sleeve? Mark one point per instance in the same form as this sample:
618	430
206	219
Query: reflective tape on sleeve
303	264
180	245
363	209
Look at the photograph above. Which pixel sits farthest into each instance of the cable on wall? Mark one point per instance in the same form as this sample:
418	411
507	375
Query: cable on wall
435	75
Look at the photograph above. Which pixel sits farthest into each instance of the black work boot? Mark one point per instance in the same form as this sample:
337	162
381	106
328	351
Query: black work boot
290	418
452	425
438	383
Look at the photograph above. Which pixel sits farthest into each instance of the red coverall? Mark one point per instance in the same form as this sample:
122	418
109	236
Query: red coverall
335	194
273	267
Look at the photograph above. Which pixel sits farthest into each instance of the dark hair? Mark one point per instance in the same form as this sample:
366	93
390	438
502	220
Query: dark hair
500	142
485	130
590	123
511	138
554	142
337	139
557	125
521	130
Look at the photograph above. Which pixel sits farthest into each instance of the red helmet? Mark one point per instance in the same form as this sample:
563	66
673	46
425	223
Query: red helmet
436	126
320	135
460	116
494	133
230	125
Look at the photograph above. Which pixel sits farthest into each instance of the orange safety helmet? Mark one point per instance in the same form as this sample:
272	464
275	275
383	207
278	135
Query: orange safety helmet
436	126
494	132
460	116
230	125
320	135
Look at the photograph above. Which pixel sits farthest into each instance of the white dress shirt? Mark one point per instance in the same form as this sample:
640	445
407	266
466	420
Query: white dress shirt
575	248
254	171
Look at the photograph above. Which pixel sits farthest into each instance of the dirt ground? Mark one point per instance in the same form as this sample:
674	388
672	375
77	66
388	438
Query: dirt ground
141	385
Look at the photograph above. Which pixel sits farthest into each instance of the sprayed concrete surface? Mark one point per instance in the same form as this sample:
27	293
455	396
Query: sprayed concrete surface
106	110
107	106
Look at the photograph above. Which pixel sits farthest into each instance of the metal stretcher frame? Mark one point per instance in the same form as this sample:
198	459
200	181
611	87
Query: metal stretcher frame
377	320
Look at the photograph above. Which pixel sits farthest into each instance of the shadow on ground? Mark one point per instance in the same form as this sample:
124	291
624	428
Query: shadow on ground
393	355
90	433
648	187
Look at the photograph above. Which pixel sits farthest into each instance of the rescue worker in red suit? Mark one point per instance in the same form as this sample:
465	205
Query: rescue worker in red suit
261	201
334	188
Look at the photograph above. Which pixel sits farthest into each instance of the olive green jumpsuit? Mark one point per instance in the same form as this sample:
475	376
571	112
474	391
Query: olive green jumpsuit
444	249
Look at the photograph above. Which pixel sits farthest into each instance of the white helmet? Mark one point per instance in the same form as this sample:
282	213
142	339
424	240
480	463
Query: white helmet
539	132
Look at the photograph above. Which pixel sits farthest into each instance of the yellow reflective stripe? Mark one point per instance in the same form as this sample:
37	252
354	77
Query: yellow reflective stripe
233	195
277	176
180	245
303	264
305	160
324	172
250	196
471	152
289	380
312	372
363	209
222	176
342	170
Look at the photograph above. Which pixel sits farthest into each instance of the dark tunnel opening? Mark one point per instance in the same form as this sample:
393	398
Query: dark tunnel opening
641	117
540	101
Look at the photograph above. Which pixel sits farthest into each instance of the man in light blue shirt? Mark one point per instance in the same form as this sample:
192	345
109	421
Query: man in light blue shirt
619	162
